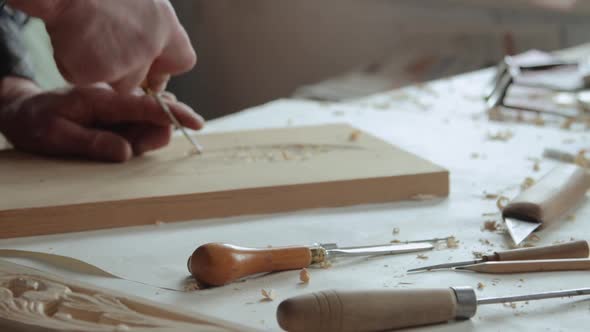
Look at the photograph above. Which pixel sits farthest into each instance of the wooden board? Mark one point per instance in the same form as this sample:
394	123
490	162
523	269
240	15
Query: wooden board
33	301
249	172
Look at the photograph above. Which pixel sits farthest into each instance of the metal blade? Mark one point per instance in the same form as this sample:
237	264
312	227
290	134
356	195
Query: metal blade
380	250
444	266
537	296
520	230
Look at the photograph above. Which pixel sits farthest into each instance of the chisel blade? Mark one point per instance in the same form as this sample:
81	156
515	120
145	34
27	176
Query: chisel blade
520	230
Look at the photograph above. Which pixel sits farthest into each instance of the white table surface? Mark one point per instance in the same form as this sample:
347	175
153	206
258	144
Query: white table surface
444	122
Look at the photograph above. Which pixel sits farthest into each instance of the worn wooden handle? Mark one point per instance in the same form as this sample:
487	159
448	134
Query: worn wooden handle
217	264
574	264
356	311
576	249
550	198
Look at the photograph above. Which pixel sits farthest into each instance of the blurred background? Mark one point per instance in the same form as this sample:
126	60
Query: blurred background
254	51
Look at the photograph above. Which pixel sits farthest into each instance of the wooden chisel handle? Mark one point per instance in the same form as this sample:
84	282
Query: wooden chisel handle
548	265
575	249
375	310
550	198
217	264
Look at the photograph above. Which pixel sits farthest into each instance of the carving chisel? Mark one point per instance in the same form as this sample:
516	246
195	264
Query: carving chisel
197	148
217	264
386	310
576	249
546	201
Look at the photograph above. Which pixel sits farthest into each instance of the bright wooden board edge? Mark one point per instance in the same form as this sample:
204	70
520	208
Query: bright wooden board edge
135	303
149	211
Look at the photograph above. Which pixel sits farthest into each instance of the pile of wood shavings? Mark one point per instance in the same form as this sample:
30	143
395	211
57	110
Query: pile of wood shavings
452	243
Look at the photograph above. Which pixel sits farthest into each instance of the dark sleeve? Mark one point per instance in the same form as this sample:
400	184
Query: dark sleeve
13	54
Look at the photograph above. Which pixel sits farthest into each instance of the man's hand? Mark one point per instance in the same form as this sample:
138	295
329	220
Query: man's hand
90	122
113	41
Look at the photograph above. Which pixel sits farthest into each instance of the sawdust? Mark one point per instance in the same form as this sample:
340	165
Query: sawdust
536	166
490	225
268	295
452	243
509	305
480	285
581	159
304	276
477	254
501	135
567	124
354	136
495	114
395	230
527	183
502	202
191	285
325	264
486	242
422	256
490	195
534	237
539	121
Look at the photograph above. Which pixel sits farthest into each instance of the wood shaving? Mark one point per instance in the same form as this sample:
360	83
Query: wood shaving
581	159
489	214
304	276
535	238
536	166
509	305
325	264
268	295
502	135
396	230
539	121
422	256
480	285
354	136
502	202
452	242
191	285
395	241
567	124
490	225
286	155
490	196
527	183
495	114
477	254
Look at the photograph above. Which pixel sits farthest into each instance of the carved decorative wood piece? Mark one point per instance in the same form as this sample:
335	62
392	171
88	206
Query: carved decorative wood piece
31	300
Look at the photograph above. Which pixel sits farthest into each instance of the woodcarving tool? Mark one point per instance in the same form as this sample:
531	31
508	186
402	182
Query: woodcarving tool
217	264
198	148
576	249
386	310
549	199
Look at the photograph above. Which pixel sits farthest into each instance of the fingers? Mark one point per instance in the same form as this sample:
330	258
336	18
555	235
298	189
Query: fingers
130	82
103	106
65	138
146	137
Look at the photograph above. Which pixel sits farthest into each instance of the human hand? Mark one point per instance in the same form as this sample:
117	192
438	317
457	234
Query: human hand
90	122
113	41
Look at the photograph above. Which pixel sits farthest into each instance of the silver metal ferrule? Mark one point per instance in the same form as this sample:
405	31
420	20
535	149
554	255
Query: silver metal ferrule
466	302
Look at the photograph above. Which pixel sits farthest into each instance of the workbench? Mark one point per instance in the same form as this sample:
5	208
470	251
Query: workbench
444	121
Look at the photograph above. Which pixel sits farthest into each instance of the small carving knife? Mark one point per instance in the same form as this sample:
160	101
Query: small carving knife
555	194
217	264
